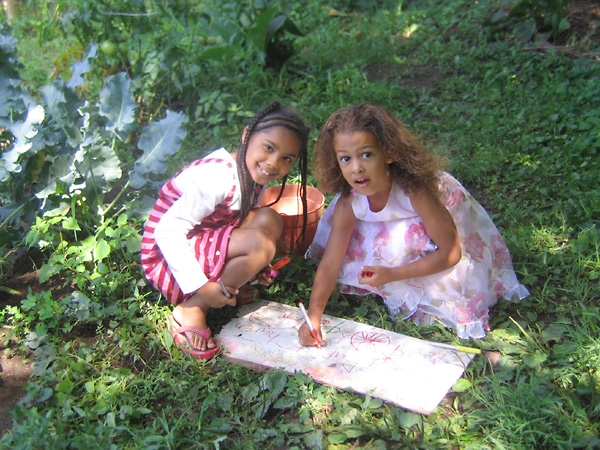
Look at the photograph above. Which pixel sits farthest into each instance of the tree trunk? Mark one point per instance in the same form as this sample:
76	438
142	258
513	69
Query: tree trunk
9	6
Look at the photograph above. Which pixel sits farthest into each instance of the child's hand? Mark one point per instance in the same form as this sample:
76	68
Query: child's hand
212	294
266	276
374	275
306	339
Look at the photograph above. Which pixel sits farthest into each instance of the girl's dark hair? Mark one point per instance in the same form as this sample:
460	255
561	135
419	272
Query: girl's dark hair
413	166
273	115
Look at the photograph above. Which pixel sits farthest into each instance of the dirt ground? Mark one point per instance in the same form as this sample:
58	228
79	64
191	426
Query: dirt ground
16	368
14	373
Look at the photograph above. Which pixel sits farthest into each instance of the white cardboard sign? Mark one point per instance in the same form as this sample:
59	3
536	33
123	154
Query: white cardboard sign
404	371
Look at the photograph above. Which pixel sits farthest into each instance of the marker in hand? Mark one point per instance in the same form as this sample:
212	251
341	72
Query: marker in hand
273	272
313	333
223	288
366	273
278	265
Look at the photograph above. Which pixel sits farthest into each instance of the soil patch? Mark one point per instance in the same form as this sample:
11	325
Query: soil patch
15	370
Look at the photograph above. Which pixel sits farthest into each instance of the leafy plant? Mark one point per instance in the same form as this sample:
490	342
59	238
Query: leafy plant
528	19
62	156
59	166
169	49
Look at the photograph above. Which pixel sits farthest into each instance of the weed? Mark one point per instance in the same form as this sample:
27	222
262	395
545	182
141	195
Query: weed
528	18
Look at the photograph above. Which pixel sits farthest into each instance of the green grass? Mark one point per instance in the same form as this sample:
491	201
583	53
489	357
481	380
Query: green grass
521	130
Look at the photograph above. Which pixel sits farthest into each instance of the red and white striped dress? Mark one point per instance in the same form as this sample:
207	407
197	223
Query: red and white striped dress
186	237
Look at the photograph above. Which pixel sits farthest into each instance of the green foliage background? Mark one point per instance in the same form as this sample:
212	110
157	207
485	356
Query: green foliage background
518	122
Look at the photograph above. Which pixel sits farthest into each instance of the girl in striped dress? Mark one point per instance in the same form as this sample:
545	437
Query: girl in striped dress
206	227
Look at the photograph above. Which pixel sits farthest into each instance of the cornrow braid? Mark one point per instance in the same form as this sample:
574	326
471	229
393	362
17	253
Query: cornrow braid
273	115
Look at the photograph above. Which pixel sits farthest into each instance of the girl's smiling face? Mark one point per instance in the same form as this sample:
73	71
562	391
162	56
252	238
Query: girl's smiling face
364	165
271	153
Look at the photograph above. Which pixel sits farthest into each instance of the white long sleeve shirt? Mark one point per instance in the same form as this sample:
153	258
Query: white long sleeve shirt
202	188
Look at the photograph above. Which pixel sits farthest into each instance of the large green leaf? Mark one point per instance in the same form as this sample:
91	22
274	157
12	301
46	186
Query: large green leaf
117	105
60	168
23	132
8	55
281	22
257	34
96	167
102	250
7	96
81	68
158	141
62	105
216	53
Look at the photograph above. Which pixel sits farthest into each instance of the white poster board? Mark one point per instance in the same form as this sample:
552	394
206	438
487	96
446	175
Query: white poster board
404	371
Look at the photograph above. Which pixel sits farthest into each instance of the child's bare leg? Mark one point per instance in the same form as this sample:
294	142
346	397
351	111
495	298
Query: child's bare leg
252	246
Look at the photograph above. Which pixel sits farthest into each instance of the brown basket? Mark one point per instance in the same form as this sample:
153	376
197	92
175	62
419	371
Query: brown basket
289	207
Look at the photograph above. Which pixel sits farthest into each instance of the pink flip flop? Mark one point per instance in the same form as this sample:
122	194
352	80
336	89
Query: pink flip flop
177	330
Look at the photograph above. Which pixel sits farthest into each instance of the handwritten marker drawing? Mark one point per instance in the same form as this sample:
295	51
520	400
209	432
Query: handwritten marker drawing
401	370
367	341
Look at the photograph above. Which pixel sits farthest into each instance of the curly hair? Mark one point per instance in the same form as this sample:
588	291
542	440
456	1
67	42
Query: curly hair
273	115
414	167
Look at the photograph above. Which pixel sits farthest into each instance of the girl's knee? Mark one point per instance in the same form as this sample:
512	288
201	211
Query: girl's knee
266	219
264	244
275	222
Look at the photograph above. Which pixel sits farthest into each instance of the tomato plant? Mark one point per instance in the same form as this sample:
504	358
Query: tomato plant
109	48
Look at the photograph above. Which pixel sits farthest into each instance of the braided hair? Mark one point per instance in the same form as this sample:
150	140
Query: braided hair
273	115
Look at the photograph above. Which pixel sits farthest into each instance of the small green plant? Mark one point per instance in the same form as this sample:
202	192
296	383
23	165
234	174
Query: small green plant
528	19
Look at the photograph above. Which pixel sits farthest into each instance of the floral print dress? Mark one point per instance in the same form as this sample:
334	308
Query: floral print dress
459	297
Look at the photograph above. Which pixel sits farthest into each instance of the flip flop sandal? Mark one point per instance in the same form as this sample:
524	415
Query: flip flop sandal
177	330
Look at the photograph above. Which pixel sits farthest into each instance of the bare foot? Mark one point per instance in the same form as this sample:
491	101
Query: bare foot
192	313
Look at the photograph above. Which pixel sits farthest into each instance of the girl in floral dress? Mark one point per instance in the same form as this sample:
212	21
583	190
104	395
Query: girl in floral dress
403	229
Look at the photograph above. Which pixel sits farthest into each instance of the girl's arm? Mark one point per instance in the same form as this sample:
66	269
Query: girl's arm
329	267
441	229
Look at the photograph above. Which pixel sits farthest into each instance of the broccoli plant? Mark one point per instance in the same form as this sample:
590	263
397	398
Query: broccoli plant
66	165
